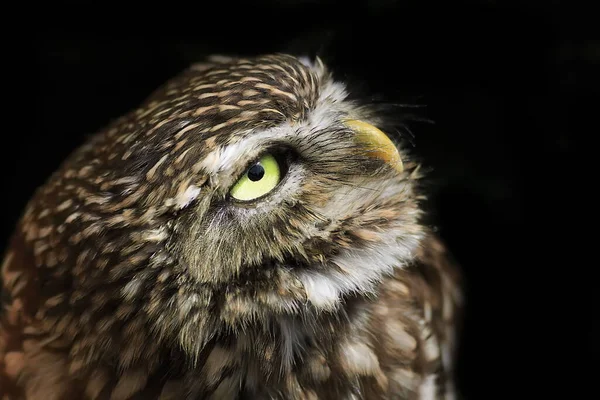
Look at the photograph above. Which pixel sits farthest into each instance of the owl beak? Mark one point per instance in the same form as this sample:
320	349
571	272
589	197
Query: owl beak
378	143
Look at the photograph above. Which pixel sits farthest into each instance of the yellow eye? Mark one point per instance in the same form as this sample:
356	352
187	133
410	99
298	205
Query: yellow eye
259	179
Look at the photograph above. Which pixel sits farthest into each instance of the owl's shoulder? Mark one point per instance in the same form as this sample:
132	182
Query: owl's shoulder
415	319
25	350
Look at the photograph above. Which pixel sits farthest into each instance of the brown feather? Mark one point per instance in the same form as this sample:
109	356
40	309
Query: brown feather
131	273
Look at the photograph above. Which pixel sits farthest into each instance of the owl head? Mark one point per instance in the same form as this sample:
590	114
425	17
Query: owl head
244	191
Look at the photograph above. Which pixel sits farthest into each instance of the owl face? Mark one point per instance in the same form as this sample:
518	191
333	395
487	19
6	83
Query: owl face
243	191
294	198
295	217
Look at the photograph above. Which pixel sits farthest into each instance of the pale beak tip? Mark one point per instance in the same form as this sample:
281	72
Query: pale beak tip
381	146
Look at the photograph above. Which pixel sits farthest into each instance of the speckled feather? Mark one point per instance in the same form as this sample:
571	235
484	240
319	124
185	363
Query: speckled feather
133	275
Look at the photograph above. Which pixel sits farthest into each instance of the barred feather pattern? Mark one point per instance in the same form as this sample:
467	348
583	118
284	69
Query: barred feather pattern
132	274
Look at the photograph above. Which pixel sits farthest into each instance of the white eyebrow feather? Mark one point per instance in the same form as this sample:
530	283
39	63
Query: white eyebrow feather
224	157
329	104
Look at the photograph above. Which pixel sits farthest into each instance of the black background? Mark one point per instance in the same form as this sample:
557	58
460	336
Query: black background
512	91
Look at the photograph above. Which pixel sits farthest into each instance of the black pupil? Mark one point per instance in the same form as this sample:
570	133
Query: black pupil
256	172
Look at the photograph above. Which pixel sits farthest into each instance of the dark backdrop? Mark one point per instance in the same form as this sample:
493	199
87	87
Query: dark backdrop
511	92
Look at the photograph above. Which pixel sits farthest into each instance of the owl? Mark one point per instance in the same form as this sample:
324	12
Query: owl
248	232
